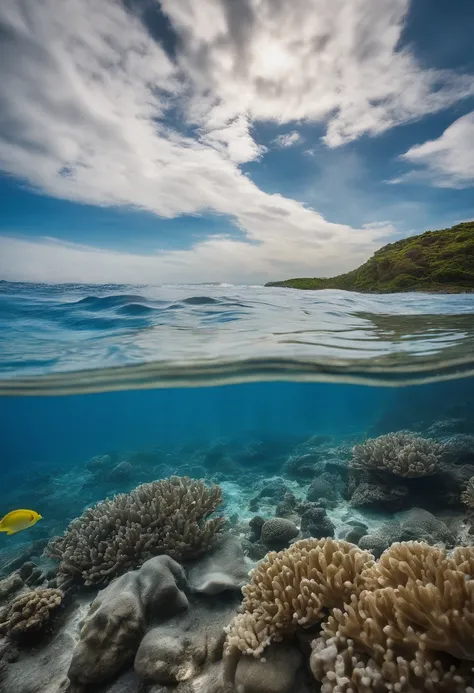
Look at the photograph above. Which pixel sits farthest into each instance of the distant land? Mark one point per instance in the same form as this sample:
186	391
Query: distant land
434	261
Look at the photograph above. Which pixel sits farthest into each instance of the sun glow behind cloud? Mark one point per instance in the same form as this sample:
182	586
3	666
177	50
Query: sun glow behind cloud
96	111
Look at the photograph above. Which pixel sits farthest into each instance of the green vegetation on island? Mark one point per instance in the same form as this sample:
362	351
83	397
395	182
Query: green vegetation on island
435	261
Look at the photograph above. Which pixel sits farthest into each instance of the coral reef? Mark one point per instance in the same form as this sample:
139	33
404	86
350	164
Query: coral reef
31	613
403	454
332	589
168	516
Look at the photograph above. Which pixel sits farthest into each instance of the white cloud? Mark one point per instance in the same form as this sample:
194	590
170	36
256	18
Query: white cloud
288	139
217	259
448	161
89	105
308	60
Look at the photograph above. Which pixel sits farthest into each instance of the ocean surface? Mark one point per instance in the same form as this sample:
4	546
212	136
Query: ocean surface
108	337
262	391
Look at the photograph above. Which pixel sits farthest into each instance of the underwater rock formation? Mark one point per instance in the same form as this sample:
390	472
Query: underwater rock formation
10	585
171	628
380	539
287	506
380	497
416	524
421	525
119	615
322	486
223	569
151	628
281	671
304	466
168	516
274	489
256	523
315	522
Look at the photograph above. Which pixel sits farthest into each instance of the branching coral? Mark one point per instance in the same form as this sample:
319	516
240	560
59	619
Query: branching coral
30	614
403	454
402	624
168	516
411	629
289	590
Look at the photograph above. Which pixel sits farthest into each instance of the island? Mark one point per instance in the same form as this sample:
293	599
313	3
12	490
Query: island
434	261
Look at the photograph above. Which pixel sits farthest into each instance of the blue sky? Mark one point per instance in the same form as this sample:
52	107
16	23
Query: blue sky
224	140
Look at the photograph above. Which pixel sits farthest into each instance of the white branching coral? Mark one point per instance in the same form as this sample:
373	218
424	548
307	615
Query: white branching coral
403	454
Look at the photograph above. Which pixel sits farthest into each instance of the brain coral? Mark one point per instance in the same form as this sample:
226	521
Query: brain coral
403	454
168	516
278	532
31	613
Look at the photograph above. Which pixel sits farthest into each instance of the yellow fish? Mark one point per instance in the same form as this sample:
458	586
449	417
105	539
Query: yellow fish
19	519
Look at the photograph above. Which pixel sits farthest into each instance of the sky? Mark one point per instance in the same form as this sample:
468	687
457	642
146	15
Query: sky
241	141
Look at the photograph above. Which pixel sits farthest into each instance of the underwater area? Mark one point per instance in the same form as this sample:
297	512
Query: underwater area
241	490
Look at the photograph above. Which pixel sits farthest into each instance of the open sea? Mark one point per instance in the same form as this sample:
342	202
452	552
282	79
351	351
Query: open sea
263	391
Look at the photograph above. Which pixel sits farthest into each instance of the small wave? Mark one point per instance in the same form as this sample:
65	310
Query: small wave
77	337
107	302
199	300
133	309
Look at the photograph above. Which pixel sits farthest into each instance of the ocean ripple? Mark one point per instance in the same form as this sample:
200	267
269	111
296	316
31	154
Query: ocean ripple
83	338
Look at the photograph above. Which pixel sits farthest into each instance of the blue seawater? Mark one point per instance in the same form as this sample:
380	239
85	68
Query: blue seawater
219	382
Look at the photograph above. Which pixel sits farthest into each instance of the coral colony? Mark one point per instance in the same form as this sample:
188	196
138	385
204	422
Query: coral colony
350	572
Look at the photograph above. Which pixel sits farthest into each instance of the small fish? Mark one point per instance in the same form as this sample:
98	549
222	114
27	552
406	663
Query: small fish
19	519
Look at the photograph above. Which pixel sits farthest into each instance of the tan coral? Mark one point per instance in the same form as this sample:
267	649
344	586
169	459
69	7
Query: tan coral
412	628
403	561
403	454
288	590
169	516
31	613
343	668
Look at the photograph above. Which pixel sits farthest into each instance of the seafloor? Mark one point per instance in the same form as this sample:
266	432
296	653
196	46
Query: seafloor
360	547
